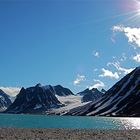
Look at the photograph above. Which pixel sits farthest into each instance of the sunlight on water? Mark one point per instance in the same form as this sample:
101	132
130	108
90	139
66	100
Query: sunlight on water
43	121
130	123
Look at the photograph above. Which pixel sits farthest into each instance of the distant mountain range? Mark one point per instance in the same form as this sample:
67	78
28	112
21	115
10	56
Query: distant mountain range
43	99
123	99
36	99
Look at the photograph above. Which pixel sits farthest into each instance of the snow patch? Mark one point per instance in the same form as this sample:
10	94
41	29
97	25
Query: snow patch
37	106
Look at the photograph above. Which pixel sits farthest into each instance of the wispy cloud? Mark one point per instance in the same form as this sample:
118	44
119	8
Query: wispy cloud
12	91
96	54
79	79
133	34
95	70
97	84
123	57
108	73
119	68
137	58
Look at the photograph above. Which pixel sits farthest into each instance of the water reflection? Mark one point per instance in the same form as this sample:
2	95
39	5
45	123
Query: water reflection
130	123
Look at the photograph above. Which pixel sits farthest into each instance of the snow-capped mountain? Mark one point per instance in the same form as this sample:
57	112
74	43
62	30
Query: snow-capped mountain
57	90
4	101
123	99
90	95
35	99
50	100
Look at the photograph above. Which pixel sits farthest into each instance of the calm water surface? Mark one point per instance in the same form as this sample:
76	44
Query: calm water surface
43	121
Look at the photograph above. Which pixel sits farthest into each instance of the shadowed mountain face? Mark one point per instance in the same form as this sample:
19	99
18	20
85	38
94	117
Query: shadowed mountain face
38	99
4	100
61	91
123	99
103	91
90	95
34	99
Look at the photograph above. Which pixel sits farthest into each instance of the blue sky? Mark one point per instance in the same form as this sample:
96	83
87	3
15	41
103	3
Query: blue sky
75	43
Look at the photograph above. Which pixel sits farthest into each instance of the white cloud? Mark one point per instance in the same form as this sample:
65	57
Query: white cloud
137	58
96	54
97	84
125	70
124	57
133	34
108	73
119	68
12	91
79	79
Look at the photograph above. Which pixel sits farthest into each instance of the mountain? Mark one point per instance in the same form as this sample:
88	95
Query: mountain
90	95
61	91
75	100
123	99
103	91
57	90
35	99
4	101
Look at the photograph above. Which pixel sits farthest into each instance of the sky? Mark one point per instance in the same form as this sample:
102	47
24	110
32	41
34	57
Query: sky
75	43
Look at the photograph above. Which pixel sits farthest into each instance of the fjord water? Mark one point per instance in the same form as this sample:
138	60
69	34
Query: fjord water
43	121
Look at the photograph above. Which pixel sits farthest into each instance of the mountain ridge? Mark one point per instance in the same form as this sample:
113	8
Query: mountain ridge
90	94
123	99
41	98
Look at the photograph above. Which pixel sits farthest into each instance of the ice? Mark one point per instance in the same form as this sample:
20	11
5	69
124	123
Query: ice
71	101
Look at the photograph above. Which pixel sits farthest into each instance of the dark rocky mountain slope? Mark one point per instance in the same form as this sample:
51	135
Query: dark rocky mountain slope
90	95
123	99
35	99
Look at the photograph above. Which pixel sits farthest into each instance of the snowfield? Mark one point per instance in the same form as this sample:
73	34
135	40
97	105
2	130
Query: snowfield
70	102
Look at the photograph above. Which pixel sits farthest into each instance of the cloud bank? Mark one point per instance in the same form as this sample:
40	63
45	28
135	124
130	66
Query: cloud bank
12	91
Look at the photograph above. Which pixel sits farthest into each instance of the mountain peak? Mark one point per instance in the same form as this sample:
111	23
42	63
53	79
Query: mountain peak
90	95
34	98
58	86
103	90
1	91
123	99
38	85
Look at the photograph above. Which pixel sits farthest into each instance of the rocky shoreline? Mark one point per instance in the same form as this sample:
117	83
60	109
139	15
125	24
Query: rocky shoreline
67	134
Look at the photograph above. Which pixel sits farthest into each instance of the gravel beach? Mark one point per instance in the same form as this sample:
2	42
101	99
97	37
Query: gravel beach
67	134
